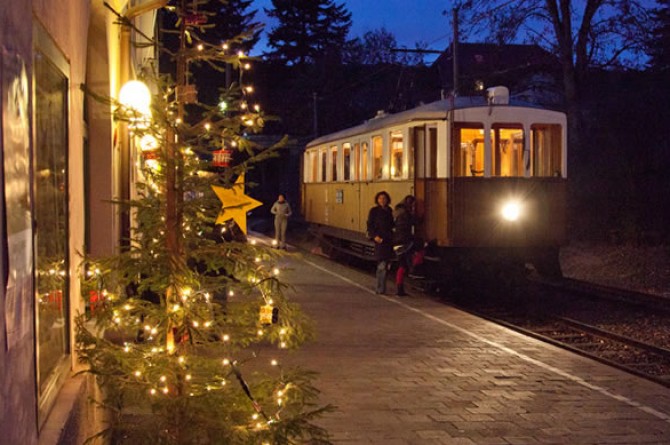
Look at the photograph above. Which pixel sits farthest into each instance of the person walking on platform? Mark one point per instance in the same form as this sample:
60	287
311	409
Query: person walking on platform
281	209
403	240
380	230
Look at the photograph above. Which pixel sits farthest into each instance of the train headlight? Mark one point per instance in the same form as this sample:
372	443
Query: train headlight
511	211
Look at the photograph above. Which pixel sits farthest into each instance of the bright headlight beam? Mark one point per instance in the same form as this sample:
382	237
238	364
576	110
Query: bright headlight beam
511	211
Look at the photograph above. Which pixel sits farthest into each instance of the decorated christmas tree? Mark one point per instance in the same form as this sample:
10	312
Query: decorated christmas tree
184	321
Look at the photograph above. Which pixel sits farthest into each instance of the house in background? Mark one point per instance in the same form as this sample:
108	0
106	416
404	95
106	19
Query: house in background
531	73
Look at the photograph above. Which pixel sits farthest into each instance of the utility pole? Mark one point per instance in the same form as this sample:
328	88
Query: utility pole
454	50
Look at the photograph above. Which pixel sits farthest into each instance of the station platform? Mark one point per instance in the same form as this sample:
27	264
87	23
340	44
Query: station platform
414	370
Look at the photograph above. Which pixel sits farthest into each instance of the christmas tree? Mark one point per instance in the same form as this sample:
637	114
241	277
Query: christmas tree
184	320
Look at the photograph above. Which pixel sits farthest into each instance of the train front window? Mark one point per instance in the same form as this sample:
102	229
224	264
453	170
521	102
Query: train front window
469	152
377	153
508	151
545	150
396	154
346	152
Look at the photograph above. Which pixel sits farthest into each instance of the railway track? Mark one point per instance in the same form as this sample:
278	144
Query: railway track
623	329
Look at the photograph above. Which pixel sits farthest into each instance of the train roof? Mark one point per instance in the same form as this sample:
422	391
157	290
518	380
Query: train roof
432	111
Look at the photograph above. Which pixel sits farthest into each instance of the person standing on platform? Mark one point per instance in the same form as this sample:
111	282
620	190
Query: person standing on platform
403	240
380	230
281	209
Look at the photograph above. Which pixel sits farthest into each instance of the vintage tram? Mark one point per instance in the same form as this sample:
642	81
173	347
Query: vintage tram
489	175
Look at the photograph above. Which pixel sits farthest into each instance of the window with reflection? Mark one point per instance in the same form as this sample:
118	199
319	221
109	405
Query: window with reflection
377	153
546	150
396	154
50	163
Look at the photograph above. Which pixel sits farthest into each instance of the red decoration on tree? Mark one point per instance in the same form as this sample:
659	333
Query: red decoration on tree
222	158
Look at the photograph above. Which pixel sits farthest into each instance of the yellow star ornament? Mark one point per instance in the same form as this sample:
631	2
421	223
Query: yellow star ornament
235	204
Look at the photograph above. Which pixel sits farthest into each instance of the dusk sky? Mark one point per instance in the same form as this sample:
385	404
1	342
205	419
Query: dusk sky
409	21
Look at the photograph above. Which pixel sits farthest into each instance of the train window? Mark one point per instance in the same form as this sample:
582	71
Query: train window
546	150
396	154
377	152
355	171
324	166
508	150
364	162
313	172
432	153
468	151
346	152
333	163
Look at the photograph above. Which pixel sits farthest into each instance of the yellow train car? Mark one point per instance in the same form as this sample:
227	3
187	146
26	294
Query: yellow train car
489	176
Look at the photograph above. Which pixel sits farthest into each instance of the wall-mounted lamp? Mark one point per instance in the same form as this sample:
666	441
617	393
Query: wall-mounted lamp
136	97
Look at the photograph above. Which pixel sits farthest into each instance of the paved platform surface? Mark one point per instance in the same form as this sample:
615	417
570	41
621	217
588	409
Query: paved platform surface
416	371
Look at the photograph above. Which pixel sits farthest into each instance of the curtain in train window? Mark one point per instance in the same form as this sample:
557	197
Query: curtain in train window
377	154
346	153
364	162
508	150
50	164
546	150
397	153
468	156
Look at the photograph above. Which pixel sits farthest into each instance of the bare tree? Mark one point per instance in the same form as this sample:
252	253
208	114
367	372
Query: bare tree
583	34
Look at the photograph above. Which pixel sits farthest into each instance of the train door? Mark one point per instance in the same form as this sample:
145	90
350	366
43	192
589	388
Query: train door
425	170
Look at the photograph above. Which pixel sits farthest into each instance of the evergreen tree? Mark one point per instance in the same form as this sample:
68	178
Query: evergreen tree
658	47
178	317
234	18
308	30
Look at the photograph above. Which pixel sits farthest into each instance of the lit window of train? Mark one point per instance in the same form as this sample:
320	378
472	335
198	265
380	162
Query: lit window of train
546	150
346	153
333	163
396	154
365	175
377	157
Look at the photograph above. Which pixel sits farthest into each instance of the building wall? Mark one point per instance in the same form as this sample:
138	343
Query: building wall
67	22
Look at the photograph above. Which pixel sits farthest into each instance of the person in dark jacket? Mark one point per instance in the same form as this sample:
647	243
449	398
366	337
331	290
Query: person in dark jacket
380	230
403	240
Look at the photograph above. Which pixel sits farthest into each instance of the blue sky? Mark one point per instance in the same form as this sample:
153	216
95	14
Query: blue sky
409	21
